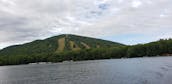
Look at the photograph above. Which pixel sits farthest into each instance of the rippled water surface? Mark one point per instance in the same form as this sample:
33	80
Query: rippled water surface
156	70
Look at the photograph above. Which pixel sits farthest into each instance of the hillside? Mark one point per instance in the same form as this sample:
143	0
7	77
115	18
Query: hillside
56	44
71	47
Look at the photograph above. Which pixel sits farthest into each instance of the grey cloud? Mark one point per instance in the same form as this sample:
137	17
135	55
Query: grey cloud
27	20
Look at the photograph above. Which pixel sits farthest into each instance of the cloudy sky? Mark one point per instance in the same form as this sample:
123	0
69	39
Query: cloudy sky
125	21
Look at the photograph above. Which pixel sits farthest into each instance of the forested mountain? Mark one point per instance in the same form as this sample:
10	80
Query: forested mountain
71	47
61	43
55	45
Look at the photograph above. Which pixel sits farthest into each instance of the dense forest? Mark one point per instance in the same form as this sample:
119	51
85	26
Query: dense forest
20	55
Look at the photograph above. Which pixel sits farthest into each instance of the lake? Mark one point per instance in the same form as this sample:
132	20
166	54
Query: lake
157	70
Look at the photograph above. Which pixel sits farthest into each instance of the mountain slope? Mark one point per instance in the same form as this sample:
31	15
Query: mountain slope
65	42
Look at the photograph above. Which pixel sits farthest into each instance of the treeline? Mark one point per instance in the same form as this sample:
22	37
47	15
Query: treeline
159	48
86	54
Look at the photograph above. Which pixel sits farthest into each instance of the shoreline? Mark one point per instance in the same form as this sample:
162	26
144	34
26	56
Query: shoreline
71	61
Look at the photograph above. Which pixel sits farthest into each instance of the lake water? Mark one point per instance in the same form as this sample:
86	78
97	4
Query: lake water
156	70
